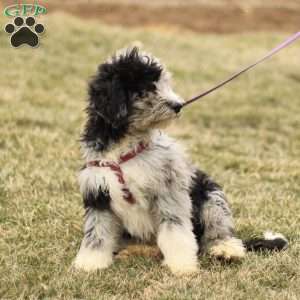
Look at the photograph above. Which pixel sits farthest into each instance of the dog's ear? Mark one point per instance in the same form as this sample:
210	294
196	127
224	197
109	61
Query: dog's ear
109	100
118	103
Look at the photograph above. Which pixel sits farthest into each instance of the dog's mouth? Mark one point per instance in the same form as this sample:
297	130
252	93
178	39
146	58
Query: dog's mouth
159	116
178	115
164	119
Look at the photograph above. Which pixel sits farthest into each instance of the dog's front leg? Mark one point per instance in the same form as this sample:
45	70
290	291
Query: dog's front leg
101	234
175	237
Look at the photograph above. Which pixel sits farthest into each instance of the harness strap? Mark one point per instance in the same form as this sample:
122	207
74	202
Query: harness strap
134	152
116	168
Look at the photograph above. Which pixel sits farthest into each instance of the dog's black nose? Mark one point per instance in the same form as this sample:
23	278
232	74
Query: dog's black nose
176	107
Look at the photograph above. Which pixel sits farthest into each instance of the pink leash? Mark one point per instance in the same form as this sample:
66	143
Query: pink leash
284	44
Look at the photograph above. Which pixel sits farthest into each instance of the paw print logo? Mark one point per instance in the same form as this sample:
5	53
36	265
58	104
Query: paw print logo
24	31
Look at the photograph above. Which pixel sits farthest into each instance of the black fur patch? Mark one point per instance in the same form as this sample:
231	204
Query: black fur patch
111	94
100	200
276	244
201	187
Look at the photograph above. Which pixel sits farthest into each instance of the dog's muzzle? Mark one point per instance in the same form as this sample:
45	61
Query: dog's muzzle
176	106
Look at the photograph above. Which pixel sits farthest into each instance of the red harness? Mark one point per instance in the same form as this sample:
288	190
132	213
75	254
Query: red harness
116	168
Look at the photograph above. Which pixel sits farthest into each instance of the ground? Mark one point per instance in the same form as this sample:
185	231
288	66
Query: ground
245	135
221	16
218	16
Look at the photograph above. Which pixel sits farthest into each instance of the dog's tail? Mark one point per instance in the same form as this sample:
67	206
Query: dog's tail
270	241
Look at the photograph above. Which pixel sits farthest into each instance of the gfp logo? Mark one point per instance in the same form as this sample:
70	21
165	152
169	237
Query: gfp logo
24	30
24	10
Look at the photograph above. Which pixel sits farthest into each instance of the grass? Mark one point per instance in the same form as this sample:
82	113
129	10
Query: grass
245	135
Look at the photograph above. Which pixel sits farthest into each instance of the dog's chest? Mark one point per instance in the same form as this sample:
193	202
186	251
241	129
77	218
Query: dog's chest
149	177
140	218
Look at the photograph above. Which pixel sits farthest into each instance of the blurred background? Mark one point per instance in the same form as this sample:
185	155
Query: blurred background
220	16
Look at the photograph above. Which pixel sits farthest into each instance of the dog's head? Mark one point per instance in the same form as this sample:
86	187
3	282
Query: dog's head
130	93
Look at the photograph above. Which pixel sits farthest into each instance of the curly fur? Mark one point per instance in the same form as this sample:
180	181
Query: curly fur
184	210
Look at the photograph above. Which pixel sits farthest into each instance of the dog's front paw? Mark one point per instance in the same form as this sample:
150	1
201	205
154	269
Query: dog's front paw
92	259
181	268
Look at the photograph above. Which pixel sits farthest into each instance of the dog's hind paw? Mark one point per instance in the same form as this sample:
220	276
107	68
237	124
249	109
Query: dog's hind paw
229	249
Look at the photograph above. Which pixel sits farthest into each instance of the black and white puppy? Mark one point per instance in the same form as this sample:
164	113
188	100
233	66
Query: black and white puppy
139	180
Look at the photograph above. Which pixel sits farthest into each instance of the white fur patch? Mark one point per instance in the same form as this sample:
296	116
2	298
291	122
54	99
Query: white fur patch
269	235
231	248
179	247
165	91
92	259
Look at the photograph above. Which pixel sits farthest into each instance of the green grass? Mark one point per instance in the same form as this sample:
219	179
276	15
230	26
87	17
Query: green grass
245	135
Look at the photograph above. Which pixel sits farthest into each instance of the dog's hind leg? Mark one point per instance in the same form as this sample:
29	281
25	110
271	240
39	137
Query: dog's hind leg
212	220
101	234
218	238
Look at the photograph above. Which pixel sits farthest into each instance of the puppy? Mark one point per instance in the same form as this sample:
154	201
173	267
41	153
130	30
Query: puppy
138	180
